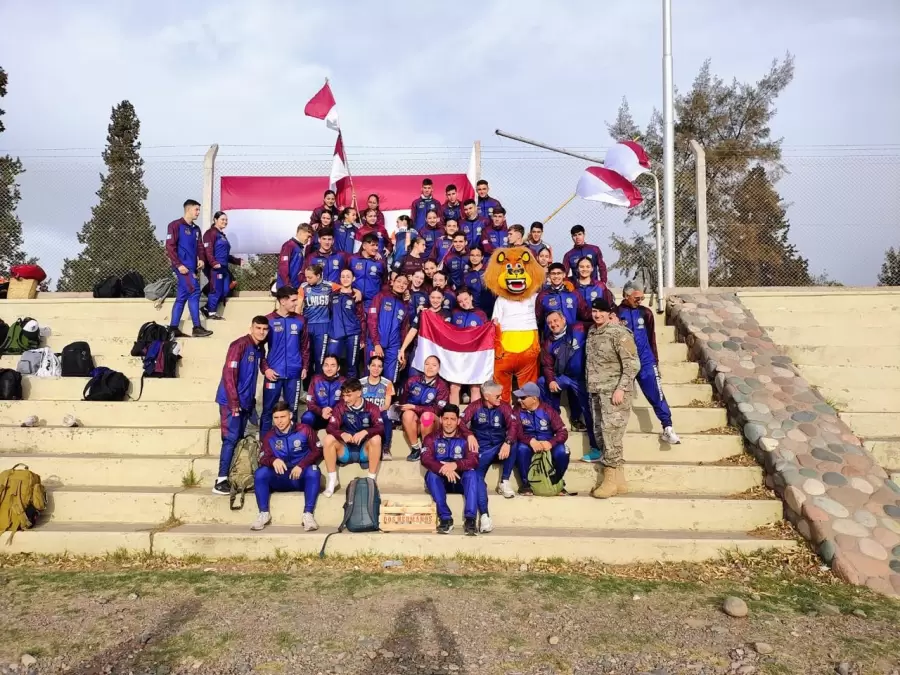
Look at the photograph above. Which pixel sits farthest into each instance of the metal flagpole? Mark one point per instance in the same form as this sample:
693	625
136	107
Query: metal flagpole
668	143
559	208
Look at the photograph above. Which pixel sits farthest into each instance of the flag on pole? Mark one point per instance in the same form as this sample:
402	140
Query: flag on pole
322	106
339	177
628	159
466	354
599	184
472	172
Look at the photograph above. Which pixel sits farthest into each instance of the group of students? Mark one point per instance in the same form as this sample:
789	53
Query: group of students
349	299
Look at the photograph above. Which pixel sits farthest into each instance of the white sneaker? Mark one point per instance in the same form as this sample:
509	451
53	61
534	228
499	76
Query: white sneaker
309	523
329	489
669	436
70	421
31	421
504	490
263	519
486	524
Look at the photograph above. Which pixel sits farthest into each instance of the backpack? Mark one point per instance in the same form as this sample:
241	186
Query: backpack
106	384
30	362
19	340
150	332
110	287
49	365
10	385
4	327
22	498
542	476
160	360
77	360
133	285
244	464
159	290
362	507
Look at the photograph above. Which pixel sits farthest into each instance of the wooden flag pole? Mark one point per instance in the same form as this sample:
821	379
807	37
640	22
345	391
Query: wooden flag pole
559	208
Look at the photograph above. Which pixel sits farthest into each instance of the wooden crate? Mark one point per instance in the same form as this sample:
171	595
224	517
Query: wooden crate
396	517
22	289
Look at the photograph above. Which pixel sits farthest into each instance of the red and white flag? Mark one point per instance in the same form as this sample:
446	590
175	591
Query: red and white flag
322	107
339	177
628	159
466	354
599	184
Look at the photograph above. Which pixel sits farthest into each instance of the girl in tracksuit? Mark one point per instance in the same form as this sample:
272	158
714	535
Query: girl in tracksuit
217	253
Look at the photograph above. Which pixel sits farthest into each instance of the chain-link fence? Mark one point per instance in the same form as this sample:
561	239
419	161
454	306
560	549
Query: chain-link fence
828	216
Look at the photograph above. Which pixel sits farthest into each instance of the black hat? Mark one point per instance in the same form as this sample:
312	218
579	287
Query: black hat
602	304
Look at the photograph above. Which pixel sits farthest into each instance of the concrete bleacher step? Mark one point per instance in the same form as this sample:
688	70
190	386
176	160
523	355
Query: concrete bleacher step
823	303
632	511
119	504
862	400
843	356
199	389
800	317
841	335
852	377
510	543
873	424
886	452
196	414
111	470
640	447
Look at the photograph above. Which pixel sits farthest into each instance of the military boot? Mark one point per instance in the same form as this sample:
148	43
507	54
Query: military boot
609	487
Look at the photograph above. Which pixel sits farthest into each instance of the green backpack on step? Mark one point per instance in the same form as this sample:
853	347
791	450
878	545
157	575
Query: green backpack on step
542	476
244	464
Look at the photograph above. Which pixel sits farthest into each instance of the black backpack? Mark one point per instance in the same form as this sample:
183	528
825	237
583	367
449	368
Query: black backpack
149	333
76	360
133	285
10	385
110	287
106	385
18	340
362	508
4	331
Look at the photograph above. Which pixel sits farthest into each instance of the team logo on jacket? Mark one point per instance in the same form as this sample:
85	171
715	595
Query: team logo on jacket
574	343
496	421
187	232
297	443
365	421
400	314
278	327
569	303
641	322
321	393
294	329
430	396
279	444
543	424
251	358
482	418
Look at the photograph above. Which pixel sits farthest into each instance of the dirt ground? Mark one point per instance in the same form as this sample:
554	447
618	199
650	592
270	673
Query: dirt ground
352	616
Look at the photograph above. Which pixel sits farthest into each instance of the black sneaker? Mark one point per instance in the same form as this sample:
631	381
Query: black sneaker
578	425
469	527
414	456
204	311
176	332
221	488
215	317
526	491
445	526
200	331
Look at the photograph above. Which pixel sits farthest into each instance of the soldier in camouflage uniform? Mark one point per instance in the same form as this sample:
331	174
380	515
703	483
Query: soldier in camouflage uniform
612	364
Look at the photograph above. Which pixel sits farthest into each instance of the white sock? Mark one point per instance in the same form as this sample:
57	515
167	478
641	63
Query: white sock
504	483
221	478
332	478
416	446
372	475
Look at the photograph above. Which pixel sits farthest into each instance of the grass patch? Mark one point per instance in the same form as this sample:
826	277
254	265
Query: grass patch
190	479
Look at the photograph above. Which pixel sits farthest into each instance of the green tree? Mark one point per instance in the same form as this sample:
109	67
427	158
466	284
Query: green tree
119	237
890	269
732	122
11	240
257	273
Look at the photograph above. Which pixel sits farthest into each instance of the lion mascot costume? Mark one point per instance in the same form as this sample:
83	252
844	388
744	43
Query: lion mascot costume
515	277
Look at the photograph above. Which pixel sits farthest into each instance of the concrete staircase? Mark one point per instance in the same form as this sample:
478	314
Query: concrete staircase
847	344
118	481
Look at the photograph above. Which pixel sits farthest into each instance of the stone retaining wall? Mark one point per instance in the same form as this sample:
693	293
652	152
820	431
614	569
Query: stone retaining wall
834	492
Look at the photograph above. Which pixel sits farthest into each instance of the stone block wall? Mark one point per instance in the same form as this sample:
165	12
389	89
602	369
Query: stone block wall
834	492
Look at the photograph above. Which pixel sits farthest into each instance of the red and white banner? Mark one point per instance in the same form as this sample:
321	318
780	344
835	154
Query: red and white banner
340	176
599	184
322	107
628	159
466	354
264	211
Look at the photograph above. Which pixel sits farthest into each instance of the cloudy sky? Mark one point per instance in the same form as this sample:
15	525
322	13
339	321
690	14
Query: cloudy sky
409	74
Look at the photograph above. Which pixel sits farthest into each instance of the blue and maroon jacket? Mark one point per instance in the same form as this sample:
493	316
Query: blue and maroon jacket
564	354
332	263
493	238
594	290
183	244
492	425
420	208
287	344
290	264
468	318
543	424
642	324
426	395
473	230
243	361
440	448
348	318
456	264
486	206
347	420
560	299
368	276
452	211
324	392
589	251
298	446
217	249
387	322
316	217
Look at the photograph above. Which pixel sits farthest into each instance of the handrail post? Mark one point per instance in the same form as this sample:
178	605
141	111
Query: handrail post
702	231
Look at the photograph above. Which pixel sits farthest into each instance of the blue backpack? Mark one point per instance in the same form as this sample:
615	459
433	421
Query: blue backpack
362	509
160	360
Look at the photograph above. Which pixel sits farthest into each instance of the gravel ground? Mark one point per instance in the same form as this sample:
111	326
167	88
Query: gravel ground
446	617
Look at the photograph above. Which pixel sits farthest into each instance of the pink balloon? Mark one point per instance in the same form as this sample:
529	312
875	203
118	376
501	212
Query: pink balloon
427	419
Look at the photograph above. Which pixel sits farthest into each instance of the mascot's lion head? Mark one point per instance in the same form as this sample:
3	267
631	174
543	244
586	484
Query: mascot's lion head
514	273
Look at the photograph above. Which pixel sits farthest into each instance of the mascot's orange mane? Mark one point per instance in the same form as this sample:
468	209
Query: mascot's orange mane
514	274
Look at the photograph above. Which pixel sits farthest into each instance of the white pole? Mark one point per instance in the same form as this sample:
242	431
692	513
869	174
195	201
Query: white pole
668	144
209	176
659	252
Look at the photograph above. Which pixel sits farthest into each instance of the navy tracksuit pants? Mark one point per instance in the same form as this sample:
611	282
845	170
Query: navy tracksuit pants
467	485
218	288
579	402
486	457
188	292
347	350
266	481
233	428
288	388
651	385
559	454
318	347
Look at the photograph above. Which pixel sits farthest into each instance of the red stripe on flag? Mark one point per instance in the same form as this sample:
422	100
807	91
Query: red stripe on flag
641	154
465	340
321	104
